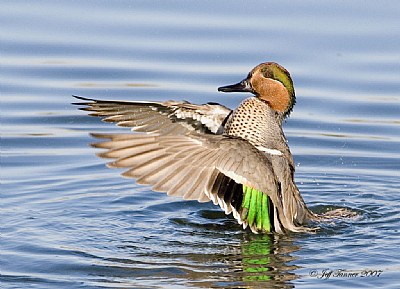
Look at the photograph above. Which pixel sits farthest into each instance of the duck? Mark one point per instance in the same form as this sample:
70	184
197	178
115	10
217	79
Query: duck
239	159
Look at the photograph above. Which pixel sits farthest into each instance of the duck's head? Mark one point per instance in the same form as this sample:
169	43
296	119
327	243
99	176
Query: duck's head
271	83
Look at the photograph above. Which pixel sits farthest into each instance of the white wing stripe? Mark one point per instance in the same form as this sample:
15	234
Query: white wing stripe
274	152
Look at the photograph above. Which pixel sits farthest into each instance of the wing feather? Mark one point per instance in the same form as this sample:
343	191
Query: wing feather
159	117
187	165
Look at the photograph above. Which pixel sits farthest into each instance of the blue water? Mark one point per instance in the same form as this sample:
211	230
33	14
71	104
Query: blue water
67	221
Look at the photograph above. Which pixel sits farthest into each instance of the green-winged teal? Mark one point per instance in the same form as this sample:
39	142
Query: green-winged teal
239	159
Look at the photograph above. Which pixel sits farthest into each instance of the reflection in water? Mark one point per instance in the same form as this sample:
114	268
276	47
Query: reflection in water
264	261
251	261
206	257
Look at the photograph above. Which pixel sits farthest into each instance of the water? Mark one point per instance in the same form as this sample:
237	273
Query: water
68	221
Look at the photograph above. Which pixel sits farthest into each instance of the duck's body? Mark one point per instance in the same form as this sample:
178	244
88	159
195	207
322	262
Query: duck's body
238	159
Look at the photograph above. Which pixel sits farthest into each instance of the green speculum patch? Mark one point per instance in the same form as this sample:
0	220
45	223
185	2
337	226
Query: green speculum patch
255	209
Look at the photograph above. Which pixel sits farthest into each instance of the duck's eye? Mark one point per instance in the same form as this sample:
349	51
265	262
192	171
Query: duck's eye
267	73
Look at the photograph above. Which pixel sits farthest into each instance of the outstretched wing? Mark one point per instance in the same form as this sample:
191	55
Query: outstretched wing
191	165
169	117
